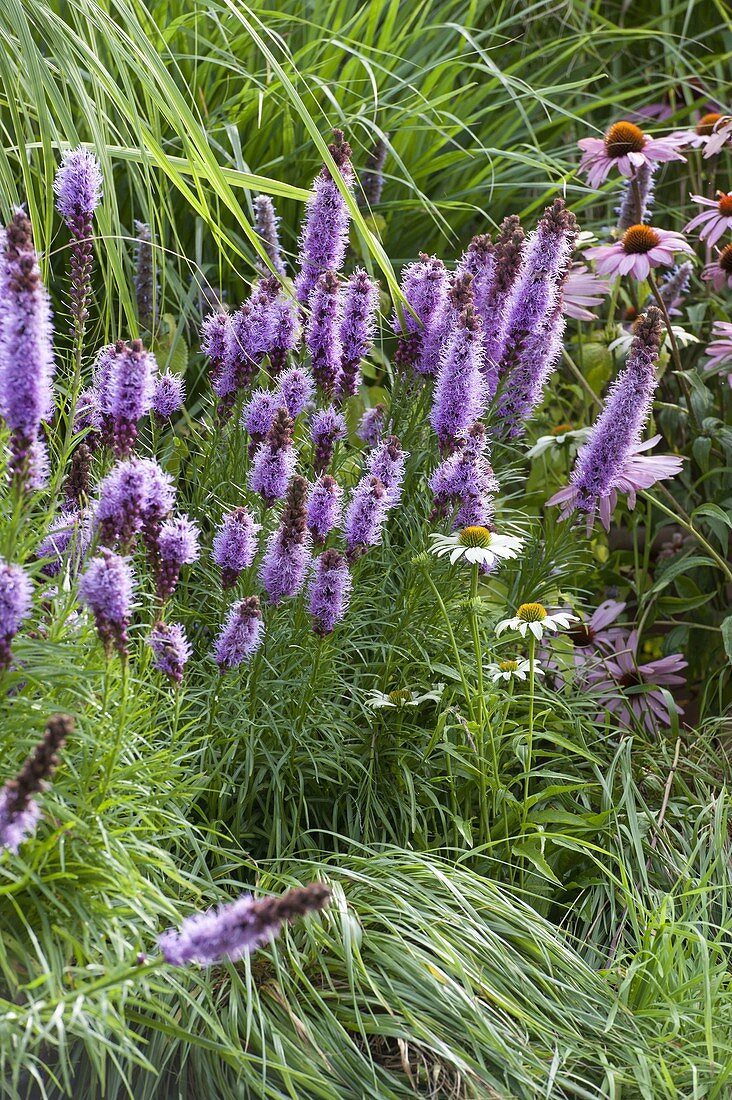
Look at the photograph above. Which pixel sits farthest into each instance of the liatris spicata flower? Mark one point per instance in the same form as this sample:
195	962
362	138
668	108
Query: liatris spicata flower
323	335
78	187
641	248
675	287
144	277
168	395
171	649
371	425
88	413
386	462
609	462
16	593
324	508
325	233
719	272
492	305
365	516
241	635
266	225
235	545
131	388
26	343
76	487
295	389
215	337
69	534
326	428
106	588
623	670
465	481
38	470
357	329
372	178
582	289
635	206
248	341
287	557
627	148
132	495
479	261
275	460
258	416
239	927
535	324
424	285
460	395
285	331
177	545
330	590
714	222
19	812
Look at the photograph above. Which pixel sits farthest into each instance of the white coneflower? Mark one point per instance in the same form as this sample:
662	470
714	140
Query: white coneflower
536	618
558	437
517	669
477	545
403	697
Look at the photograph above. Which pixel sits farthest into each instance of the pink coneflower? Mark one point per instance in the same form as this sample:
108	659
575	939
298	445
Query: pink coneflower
714	222
720	349
597	632
639	699
639	249
627	148
719	273
720	133
582	289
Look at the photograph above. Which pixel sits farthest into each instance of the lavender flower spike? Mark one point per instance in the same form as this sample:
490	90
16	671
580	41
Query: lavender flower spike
365	516
215	337
323	336
235	545
460	395
479	261
134	495
19	812
131	388
424	285
236	929
325	234
372	178
145	287
176	546
287	557
330	590
465	481
171	649
324	508
258	416
26	347
326	428
241	634
274	461
371	425
78	187
168	395
386	462
635	206
491	302
265	224
16	592
285	331
106	589
357	330
295	389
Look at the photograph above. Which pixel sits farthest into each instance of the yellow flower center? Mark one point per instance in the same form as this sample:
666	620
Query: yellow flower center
639	239
508	666
561	429
531	612
725	203
706	124
400	695
474	536
623	138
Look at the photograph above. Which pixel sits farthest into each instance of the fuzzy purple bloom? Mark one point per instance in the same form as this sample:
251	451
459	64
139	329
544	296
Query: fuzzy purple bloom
372	178
132	374
19	812
424	285
323	336
365	515
235	545
171	649
134	494
39	465
241	634
145	286
675	286
88	414
386	462
460	393
357	330
465	481
249	337
258	416
492	301
324	508
295	388
371	425
637	201
168	395
330	590
16	594
106	588
266	225
324	237
285	331
287	557
69	537
479	261
78	187
326	428
239	927
275	460
215	337
176	545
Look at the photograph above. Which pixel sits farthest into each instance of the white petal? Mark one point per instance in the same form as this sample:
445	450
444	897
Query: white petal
536	630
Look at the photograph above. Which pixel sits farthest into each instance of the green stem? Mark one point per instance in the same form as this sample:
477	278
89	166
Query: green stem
530	737
479	718
453	643
684	521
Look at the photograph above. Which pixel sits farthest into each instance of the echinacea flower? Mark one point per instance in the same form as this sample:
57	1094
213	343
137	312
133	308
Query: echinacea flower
626	148
716	220
534	617
631	691
241	634
16	593
19	812
513	669
403	697
171	649
641	248
582	291
720	349
721	133
702	132
597	632
477	545
719	273
563	434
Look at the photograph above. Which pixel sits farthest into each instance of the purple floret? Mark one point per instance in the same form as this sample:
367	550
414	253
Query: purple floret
324	237
176	545
235	545
241	634
330	590
326	428
357	330
295	389
171	649
132	374
287	557
266	225
386	462
324	508
275	461
365	516
106	588
323	337
16	594
169	395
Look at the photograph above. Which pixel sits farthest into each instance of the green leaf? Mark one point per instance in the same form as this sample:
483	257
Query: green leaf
726	629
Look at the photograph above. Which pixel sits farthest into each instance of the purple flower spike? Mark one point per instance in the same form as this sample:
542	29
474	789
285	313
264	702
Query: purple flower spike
372	178
285	331
295	389
330	590
26	343
323	336
492	303
78	187
357	330
133	495
325	234
106	590
87	414
637	201
177	545
16	593
365	516
386	462
235	545
131	387
258	416
460	394
69	537
324	508
465	481
168	395
425	285
326	428
145	286
371	425
171	649
241	635
287	557
266	225
215	337
19	812
479	261
275	460
238	928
